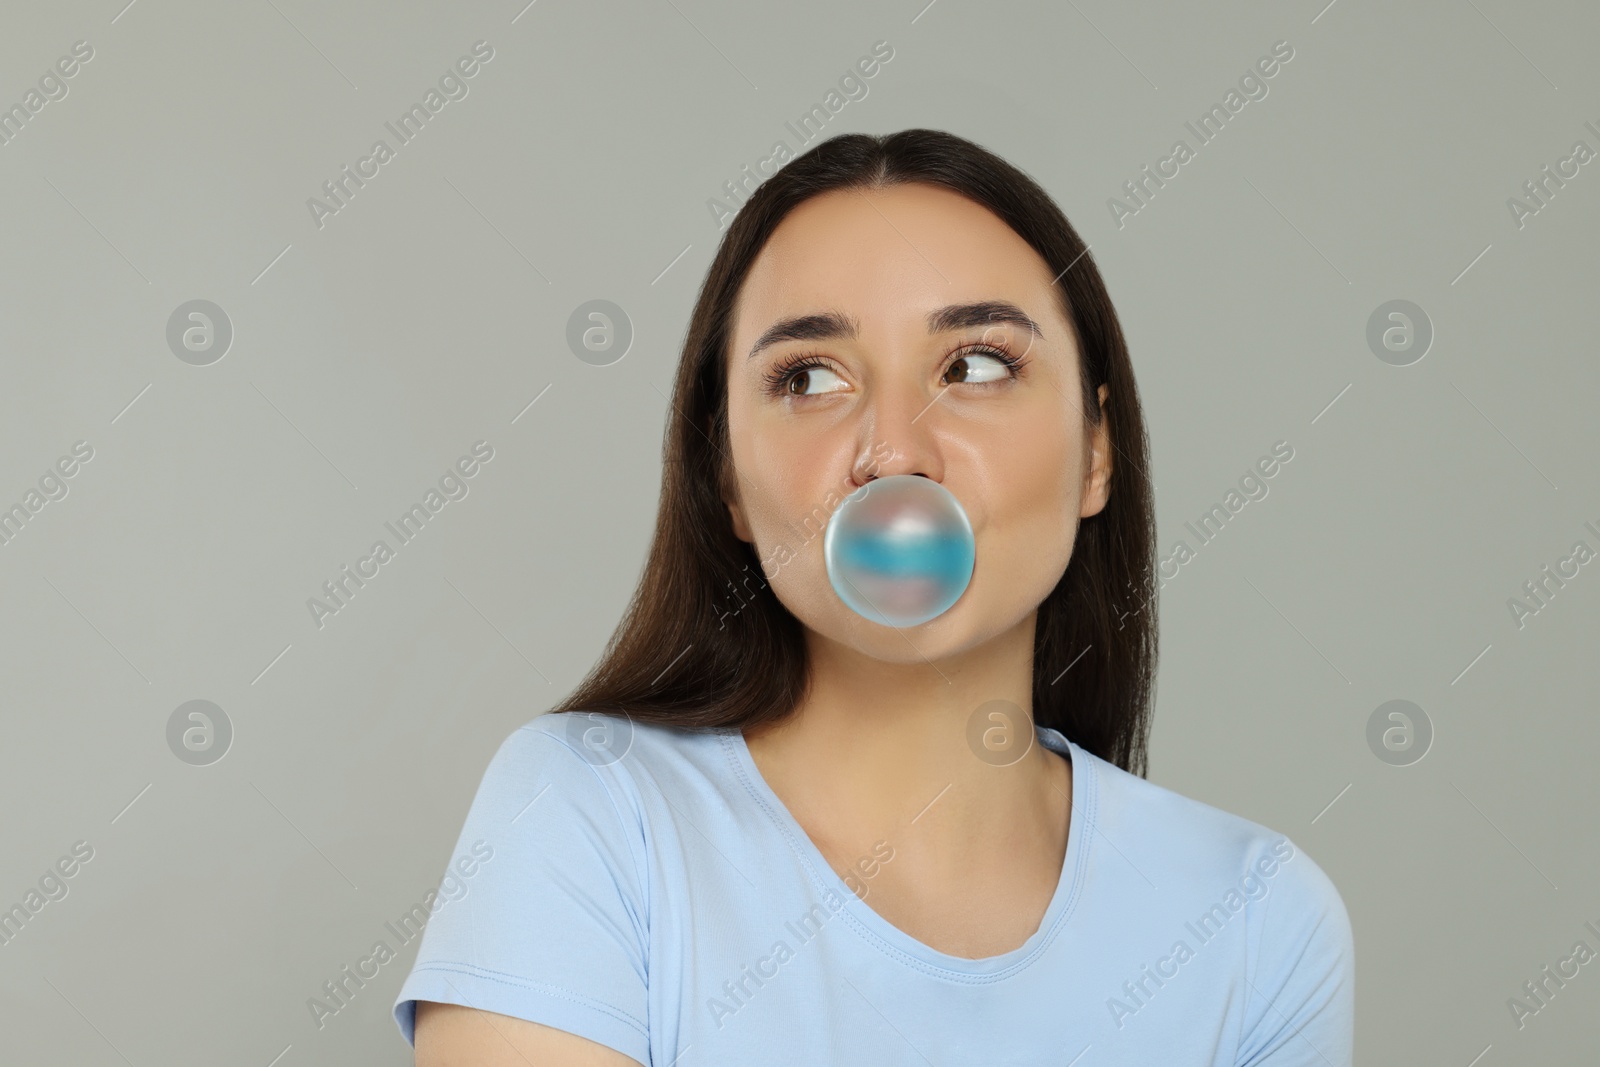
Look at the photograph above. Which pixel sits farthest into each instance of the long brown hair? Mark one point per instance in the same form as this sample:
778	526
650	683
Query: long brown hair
705	643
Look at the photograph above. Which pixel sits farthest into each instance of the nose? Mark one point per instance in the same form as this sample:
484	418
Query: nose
897	434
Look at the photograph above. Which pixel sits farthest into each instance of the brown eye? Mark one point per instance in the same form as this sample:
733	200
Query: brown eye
797	380
989	369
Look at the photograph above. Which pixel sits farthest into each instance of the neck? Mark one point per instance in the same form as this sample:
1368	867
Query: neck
903	749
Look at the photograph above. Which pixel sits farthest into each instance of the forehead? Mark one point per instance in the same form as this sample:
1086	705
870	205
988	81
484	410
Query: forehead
888	256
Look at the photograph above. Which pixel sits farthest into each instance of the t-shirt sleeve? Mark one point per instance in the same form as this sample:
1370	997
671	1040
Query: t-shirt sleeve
1300	1006
552	926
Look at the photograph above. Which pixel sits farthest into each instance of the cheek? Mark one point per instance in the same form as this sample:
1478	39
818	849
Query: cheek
789	478
788	542
1031	513
786	506
780	492
788	501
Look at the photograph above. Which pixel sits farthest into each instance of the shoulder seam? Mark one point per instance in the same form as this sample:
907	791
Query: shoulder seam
1252	957
641	868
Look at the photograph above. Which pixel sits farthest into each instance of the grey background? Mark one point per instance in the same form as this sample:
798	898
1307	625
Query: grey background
369	354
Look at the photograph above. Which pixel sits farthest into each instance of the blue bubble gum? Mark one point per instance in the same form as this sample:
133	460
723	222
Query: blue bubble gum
899	550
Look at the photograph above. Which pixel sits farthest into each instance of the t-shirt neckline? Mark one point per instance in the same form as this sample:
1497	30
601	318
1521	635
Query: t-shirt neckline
889	938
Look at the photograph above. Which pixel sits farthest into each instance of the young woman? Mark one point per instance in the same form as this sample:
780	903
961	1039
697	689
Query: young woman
767	830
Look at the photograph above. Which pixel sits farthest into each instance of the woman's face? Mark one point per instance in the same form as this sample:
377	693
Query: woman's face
911	300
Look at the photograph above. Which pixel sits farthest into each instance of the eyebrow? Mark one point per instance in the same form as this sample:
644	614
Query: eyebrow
832	325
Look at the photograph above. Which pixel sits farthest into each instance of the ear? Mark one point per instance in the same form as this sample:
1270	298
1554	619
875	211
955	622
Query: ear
1097	478
730	499
741	528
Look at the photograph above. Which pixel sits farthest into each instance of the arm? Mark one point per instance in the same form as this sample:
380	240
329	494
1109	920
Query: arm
450	1035
548	933
1301	990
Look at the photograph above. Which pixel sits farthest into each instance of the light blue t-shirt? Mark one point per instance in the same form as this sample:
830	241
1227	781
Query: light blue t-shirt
645	888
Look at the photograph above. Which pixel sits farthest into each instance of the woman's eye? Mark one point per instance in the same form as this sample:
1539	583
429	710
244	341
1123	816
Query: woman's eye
808	377
977	367
801	383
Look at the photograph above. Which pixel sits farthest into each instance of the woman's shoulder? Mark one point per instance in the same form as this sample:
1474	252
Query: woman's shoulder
633	760
592	784
1193	842
604	738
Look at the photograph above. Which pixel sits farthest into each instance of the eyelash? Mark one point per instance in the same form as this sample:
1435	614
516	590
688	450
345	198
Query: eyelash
777	379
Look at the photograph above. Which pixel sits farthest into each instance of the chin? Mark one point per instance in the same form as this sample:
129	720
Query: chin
967	625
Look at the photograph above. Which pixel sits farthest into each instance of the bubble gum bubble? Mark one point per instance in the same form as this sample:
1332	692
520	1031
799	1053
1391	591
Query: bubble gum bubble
899	550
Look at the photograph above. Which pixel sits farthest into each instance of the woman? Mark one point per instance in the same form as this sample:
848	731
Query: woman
766	830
